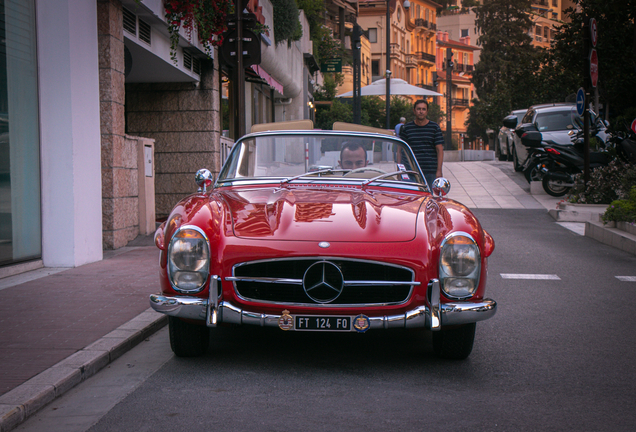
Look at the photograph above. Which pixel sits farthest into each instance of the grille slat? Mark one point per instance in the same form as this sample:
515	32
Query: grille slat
357	271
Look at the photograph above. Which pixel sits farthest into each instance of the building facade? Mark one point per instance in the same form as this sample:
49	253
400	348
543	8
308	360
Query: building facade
102	131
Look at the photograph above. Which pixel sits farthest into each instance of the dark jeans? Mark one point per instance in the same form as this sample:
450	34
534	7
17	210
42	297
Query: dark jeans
430	176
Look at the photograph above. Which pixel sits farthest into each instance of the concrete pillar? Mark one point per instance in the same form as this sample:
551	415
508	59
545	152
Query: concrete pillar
69	130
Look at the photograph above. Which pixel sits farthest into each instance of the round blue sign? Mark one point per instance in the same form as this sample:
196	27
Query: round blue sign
580	101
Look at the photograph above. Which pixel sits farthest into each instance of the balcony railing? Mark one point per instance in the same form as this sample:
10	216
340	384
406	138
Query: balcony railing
410	60
426	57
460	67
426	86
422	23
395	50
460	102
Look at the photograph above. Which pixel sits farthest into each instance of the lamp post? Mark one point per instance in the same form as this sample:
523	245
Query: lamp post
388	65
406	6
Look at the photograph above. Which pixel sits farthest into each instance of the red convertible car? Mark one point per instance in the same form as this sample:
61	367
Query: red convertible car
332	231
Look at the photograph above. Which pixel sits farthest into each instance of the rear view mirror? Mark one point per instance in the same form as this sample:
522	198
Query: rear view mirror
531	139
510	122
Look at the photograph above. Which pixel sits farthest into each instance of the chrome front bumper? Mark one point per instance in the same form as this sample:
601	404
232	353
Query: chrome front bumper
214	312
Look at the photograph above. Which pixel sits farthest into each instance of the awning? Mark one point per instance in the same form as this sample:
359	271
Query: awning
268	78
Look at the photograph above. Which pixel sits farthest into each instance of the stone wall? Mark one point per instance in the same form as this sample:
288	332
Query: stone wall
120	214
184	121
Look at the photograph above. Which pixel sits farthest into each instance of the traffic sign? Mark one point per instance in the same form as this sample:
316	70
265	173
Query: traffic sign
593	32
580	101
634	126
593	67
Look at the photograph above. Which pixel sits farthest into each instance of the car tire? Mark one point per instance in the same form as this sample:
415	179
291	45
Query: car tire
187	339
454	343
515	160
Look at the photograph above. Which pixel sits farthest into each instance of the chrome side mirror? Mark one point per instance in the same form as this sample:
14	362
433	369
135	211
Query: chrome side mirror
441	187
203	178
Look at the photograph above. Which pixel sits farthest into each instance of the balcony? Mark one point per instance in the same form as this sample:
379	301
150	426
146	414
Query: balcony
410	60
423	57
460	102
427	87
460	67
395	51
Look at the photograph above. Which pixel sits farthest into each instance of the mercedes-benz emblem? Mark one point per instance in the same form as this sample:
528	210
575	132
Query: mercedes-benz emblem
323	282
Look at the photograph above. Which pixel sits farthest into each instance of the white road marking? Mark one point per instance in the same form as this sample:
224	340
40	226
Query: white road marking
529	276
626	278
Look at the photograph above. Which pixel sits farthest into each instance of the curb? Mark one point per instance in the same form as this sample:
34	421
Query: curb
614	237
22	402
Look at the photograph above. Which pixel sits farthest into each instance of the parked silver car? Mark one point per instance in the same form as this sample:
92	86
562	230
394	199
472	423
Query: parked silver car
503	144
555	121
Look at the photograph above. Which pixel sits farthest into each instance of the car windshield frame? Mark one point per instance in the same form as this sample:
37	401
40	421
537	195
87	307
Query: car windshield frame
310	157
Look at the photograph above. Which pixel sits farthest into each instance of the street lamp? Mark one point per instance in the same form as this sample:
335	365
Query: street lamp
388	65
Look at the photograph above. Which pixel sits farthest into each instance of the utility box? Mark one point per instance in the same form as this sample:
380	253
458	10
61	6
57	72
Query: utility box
146	178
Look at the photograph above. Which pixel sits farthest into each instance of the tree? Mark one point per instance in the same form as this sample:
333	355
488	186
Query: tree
507	63
616	48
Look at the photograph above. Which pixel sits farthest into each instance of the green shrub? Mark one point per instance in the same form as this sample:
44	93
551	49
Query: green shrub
607	184
623	210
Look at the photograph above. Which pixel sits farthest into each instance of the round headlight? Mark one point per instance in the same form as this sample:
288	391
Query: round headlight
459	265
188	259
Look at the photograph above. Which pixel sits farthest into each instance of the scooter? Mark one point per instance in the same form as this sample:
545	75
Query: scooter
562	162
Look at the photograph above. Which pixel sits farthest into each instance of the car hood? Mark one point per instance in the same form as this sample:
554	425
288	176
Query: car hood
348	215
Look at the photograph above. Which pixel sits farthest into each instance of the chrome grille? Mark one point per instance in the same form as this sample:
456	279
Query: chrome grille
366	283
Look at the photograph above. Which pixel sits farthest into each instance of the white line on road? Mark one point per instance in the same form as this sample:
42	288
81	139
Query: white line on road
626	278
529	276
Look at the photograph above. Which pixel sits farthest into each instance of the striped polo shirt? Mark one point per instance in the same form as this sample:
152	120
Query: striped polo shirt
423	140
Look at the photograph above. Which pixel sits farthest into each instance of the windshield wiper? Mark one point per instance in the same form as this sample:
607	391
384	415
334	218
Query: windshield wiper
323	171
389	174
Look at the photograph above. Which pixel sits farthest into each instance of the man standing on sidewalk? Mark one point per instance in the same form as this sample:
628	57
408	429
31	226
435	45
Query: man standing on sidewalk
427	141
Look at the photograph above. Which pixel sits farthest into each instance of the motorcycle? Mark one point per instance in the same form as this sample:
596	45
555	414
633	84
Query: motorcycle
562	162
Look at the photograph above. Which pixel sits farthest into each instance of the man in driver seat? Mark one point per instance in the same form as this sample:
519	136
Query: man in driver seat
352	156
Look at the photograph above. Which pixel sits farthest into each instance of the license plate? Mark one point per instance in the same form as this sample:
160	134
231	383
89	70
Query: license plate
322	323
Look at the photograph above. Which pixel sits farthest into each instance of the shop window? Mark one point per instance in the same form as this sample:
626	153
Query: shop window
20	215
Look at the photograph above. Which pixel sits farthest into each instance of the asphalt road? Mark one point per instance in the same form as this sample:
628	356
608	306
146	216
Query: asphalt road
558	356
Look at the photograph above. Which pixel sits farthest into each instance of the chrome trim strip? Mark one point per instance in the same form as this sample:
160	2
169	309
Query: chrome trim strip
373	283
265	280
433	287
300	281
455	313
213	302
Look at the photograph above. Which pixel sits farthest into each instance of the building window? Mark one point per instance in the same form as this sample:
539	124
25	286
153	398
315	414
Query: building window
373	35
20	214
464	32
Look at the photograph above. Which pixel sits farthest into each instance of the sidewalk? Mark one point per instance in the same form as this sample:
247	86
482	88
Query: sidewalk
60	326
60	329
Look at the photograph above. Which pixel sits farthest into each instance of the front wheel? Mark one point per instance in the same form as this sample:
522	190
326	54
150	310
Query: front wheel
187	339
554	187
454	343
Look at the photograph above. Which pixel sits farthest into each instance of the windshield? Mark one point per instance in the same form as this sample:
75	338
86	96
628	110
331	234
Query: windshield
555	120
291	157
